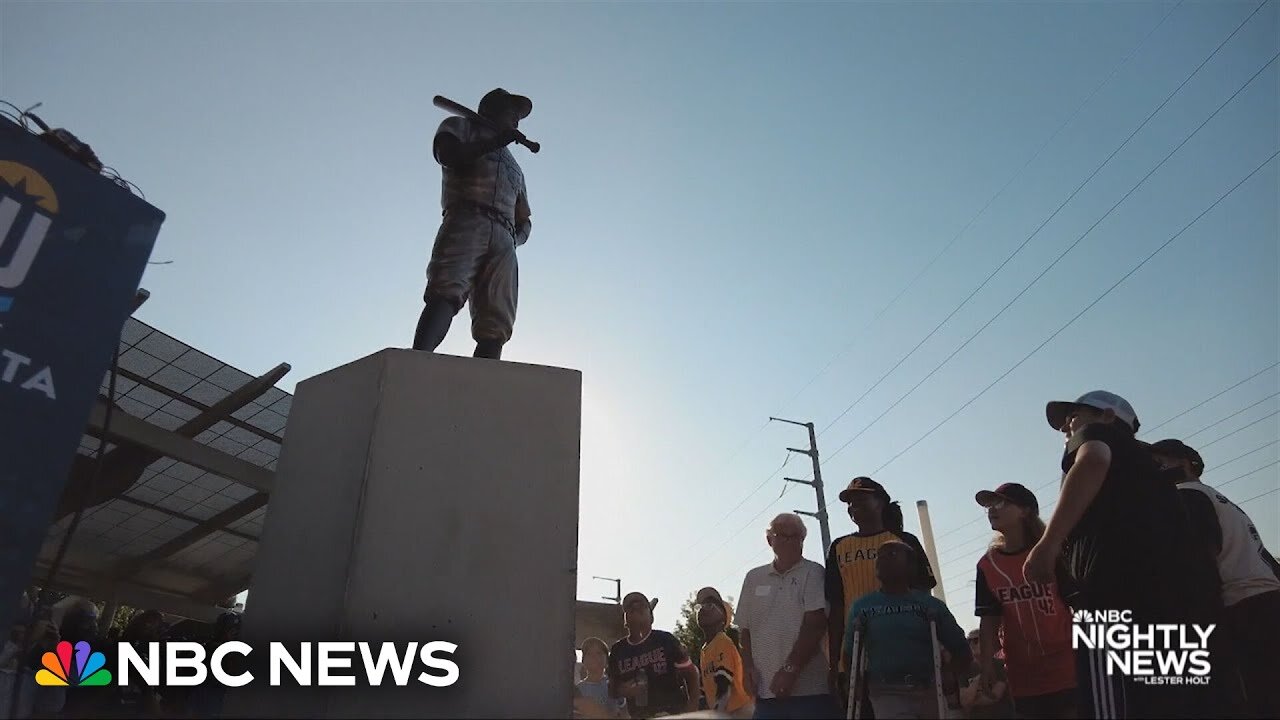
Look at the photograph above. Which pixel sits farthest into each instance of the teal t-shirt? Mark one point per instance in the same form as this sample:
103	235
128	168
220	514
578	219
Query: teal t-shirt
897	635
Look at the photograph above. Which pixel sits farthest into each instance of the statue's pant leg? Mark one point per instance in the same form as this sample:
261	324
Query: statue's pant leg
456	257
493	302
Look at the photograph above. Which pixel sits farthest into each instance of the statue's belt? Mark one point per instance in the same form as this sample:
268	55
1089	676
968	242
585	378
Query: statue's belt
492	213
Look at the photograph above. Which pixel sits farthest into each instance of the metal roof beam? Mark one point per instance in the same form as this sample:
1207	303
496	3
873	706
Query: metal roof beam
175	395
126	428
181	516
237	399
190	537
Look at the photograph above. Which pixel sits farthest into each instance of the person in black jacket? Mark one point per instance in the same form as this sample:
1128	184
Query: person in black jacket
1127	544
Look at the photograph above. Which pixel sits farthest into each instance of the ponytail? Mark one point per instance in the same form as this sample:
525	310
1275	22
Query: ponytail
891	517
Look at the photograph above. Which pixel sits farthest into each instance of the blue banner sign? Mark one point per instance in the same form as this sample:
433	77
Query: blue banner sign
73	247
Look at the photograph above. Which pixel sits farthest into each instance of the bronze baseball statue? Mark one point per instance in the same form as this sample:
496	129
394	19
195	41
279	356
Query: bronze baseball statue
485	218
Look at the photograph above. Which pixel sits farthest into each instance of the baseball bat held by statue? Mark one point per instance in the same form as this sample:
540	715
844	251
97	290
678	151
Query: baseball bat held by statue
461	110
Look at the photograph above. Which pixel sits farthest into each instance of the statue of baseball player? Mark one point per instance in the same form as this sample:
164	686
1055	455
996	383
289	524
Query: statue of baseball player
486	217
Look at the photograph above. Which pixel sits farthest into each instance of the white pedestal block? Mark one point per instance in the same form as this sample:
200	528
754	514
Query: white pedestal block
424	497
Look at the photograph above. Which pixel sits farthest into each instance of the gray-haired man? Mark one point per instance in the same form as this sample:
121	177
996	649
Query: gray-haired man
782	614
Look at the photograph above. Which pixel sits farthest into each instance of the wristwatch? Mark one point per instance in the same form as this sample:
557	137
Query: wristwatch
789	668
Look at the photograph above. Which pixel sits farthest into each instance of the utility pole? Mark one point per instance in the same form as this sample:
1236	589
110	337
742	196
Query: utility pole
816	483
617	584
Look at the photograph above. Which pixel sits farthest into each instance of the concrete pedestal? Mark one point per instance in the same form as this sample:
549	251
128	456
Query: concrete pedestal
424	497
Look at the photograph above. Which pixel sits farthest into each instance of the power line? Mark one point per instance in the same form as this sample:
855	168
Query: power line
1034	156
756	490
952	556
1246	427
1080	314
1036	232
739	531
1241	457
1156	111
1061	255
1238	412
1255	497
984	208
1245	475
1181	414
959	527
1206	401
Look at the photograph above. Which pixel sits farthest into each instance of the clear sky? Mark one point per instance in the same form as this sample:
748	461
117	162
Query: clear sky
726	197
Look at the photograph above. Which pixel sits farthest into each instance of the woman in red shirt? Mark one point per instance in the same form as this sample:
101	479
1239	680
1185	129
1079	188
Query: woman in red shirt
1032	618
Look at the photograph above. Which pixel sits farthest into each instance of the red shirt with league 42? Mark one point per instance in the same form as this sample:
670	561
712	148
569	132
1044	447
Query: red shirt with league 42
1036	622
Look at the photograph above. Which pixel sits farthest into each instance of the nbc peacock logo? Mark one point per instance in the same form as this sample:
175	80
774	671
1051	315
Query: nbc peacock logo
90	667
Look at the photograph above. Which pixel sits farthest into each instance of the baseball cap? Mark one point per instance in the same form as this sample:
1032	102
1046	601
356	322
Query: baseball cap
1177	448
712	595
522	104
1057	411
1011	492
706	594
863	484
632	597
897	544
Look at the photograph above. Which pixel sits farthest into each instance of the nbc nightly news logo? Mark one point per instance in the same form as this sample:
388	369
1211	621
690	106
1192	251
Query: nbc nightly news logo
187	664
1152	654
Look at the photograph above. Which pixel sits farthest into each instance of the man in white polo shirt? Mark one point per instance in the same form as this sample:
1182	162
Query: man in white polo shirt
782	614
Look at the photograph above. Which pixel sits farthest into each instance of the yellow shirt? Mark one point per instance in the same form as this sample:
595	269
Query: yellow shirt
720	656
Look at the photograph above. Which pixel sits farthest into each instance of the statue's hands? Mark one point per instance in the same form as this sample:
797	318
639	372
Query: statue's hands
508	136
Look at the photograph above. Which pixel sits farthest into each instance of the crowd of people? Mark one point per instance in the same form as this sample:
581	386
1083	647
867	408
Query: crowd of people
39	628
1134	529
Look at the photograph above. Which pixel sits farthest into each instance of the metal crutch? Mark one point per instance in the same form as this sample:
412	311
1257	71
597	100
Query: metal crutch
937	664
857	687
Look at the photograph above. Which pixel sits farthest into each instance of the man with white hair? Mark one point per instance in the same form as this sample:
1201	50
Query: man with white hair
782	615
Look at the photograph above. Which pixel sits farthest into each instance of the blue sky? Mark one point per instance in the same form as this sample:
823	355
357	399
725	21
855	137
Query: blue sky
726	197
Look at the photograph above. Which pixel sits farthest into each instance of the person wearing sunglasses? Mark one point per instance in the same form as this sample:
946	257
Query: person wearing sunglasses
782	615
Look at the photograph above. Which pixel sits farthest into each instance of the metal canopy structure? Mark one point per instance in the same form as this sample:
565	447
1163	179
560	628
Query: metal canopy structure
175	513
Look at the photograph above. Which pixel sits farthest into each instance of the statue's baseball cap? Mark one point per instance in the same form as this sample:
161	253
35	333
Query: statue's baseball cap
1057	411
1179	449
863	485
1009	492
499	97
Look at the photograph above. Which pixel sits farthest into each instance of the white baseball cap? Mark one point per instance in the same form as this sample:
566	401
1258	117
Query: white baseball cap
1057	411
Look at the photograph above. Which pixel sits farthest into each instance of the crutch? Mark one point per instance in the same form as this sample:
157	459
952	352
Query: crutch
937	663
857	688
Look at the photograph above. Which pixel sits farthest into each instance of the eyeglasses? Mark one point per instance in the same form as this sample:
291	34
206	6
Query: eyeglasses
786	536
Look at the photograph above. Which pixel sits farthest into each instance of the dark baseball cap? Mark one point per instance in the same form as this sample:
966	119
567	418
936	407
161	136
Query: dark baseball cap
1179	449
498	96
896	544
707	593
863	484
713	598
1009	492
632	597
